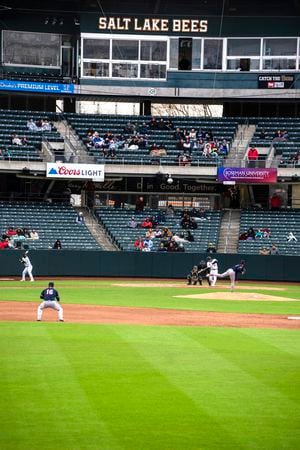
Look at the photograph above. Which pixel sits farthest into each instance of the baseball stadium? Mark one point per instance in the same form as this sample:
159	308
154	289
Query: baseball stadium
150	225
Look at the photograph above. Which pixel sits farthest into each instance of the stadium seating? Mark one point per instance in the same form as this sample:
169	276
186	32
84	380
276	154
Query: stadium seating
222	128
51	221
15	122
279	223
286	149
115	221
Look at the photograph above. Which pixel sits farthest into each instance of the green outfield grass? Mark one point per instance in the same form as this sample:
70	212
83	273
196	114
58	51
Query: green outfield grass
113	387
104	292
72	387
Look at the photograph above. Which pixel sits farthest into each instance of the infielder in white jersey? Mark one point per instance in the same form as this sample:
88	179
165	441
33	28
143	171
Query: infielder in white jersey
27	267
213	272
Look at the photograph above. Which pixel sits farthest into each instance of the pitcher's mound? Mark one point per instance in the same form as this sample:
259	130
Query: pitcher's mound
244	296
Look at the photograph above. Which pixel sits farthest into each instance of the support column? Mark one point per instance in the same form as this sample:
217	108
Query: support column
145	108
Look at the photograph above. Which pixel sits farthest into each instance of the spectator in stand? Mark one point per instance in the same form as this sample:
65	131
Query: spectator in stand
11	232
187	146
200	216
34	235
132	223
16	140
57	245
177	134
162	248
179	239
148	244
153	124
262	134
211	248
223	148
291	237
157	232
258	234
264	251
184	159
97	141
46	126
274	250
277	135
5	243
186	221
150	234
295	159
207	150
172	247
138	244
193	224
275	202
143	129
166	233
130	128
252	156
147	223
251	233
31	125
139	205
146	247
170	211
266	233
80	218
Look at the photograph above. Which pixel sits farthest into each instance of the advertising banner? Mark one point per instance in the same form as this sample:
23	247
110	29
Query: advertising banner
34	86
276	81
76	171
247	175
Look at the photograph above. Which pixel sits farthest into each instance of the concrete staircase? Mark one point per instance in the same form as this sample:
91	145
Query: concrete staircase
229	231
75	150
240	146
97	231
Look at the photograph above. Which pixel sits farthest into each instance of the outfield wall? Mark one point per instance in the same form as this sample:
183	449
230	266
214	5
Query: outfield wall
52	263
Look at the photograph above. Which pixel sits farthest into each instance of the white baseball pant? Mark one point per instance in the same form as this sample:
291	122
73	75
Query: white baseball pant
27	271
213	276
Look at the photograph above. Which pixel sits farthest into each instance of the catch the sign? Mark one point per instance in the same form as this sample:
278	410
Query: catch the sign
152	24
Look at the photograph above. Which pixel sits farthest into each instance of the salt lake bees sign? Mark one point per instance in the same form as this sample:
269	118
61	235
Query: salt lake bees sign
152	24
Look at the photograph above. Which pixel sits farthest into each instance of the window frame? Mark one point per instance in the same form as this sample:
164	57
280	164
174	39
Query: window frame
40	66
112	61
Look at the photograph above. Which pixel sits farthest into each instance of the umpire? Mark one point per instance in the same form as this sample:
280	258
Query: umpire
50	299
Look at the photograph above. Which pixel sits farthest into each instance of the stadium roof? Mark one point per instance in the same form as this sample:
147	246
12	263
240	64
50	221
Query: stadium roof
160	7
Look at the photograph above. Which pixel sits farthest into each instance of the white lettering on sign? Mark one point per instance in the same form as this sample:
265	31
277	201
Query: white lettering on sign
153	24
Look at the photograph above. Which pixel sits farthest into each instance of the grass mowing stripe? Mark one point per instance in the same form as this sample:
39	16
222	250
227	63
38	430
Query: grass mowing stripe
42	402
153	297
257	415
140	403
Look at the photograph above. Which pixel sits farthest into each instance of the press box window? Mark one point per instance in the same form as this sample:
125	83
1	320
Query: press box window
125	49
96	48
153	50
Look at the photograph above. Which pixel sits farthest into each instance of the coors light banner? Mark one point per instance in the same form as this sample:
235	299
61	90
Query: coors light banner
76	171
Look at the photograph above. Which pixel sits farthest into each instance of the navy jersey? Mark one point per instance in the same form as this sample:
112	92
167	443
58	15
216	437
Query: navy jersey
238	268
49	294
